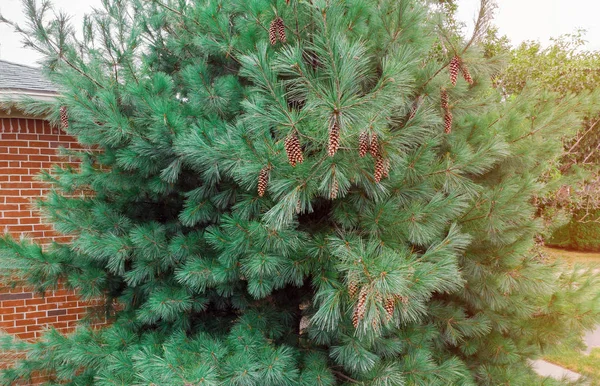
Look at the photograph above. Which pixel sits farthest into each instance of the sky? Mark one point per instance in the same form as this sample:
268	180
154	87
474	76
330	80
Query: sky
518	19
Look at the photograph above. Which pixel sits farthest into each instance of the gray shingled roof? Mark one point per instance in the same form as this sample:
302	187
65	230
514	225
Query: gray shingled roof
23	78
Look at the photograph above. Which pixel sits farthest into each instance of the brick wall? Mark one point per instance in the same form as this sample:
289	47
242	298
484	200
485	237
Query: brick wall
28	146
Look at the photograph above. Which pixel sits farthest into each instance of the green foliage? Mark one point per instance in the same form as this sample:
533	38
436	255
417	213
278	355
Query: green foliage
331	277
564	66
582	233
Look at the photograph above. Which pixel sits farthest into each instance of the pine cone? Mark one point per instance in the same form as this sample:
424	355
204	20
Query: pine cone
374	148
335	187
444	99
273	31
64	117
334	136
386	168
281	30
263	181
352	288
466	74
361	306
448	122
390	306
379	168
454	68
293	149
363	144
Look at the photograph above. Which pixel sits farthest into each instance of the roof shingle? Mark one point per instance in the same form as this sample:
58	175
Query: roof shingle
23	78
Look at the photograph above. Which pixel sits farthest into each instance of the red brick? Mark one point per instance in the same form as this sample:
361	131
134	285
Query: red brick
48	319
12	303
35	301
36	314
26	309
56	299
15	330
49	306
25	322
27	335
68	318
8	317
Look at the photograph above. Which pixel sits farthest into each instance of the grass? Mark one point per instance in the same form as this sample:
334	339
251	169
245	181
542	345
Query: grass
572	359
573	257
588	365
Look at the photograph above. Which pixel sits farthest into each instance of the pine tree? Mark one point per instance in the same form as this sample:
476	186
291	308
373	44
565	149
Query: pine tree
183	103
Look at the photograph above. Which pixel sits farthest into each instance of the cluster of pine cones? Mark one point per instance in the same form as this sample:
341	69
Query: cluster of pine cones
389	304
456	65
277	31
370	144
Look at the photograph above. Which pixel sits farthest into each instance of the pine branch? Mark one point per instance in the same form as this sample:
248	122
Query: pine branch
482	24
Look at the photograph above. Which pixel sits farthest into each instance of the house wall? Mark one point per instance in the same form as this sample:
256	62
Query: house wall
28	146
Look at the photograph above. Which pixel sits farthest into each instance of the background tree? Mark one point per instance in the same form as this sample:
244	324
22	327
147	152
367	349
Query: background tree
564	67
296	193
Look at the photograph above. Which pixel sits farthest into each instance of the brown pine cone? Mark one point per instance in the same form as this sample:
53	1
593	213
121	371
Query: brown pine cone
363	144
293	149
444	99
466	74
448	122
455	65
280	27
263	181
360	308
64	117
352	288
379	168
273	31
374	148
390	306
334	135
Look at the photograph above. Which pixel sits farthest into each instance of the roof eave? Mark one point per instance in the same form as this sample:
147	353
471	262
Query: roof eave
16	96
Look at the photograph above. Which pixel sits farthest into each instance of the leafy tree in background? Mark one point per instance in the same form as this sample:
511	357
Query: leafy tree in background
566	68
293	193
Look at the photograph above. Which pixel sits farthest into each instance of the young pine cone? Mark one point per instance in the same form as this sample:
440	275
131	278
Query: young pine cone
379	168
64	117
448	122
374	147
363	144
293	149
334	136
454	68
361	306
263	181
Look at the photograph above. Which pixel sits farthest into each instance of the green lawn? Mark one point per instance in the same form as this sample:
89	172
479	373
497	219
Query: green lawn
574	360
588	365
